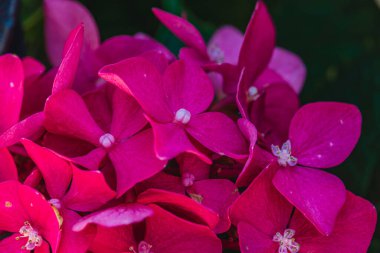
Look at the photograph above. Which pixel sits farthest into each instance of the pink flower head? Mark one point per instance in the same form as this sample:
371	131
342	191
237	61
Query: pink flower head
124	141
174	104
321	135
274	226
29	218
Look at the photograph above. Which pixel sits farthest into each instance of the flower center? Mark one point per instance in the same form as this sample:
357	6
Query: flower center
34	240
252	93
56	203
216	54
143	247
183	116
188	179
107	140
286	241
284	154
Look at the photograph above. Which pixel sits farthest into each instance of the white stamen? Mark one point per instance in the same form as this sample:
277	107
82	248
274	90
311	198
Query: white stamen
183	116
284	154
56	203
188	179
252	93
216	54
107	140
286	241
143	247
34	239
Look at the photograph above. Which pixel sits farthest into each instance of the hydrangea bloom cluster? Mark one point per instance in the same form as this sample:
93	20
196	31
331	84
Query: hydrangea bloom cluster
123	146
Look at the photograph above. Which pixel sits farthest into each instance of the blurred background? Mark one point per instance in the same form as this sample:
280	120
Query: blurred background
339	42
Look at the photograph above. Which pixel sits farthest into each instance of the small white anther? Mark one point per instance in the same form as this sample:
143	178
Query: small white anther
188	179
107	140
183	116
56	203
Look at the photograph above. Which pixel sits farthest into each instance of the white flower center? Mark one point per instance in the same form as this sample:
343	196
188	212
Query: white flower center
143	247
284	154
56	203
107	140
216	54
286	241
188	179
183	116
34	239
252	93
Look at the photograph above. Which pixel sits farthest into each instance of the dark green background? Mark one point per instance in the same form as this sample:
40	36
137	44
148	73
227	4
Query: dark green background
338	41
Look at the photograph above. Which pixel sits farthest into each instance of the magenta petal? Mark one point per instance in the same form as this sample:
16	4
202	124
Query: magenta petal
91	160
72	241
31	127
218	195
11	90
136	152
218	133
11	245
290	67
187	86
252	240
125	214
189	163
141	79
67	69
352	232
193	56
171	139
262	206
8	170
162	181
55	169
323	134
61	17
229	40
170	234
88	191
67	114
315	193
127	118
180	205
259	42
183	29
32	67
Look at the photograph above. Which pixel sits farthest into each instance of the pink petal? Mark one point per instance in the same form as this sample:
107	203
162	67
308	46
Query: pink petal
67	69
180	205
273	111
127	117
171	139
88	191
67	114
11	90
352	232
259	42
8	169
162	181
189	163
31	127
141	79
229	40
67	146
193	56
55	169
11	245
115	216
218	195
290	67
136	152
91	160
121	47
262	206
170	234
61	17
183	29
72	241
32	67
252	240
323	134
218	133
23	203
187	86
316	194
113	240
